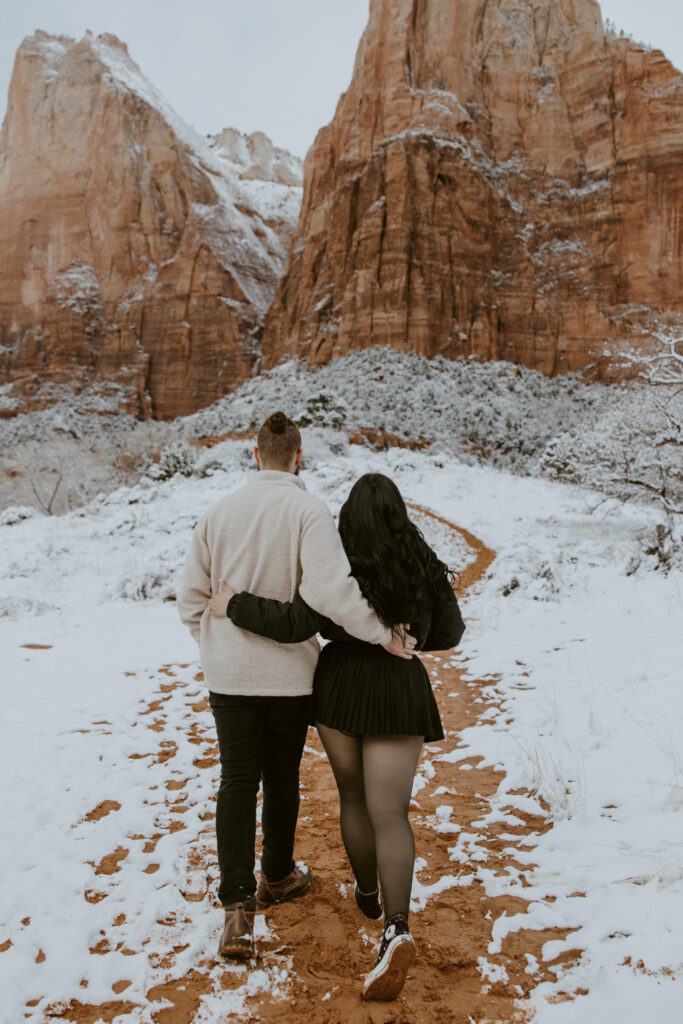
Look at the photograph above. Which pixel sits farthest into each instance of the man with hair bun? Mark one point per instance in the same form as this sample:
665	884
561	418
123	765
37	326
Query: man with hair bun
273	539
278	441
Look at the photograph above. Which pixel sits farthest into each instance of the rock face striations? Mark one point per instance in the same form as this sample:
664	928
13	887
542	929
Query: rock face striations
501	178
132	250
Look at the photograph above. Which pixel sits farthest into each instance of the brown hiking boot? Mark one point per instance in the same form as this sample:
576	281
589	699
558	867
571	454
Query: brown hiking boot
237	938
295	884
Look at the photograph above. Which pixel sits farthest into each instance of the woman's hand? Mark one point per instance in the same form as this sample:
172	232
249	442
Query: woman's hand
402	643
218	605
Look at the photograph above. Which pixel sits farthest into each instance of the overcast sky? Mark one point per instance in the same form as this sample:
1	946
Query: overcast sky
276	66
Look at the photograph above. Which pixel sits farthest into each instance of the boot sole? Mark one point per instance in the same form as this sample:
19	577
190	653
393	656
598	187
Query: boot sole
374	916
386	980
237	951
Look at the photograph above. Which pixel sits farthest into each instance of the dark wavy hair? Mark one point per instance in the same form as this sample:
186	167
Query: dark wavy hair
397	571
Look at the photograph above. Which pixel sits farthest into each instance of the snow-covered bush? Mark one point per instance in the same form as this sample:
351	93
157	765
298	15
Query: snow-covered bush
661	362
17	514
560	458
53	476
94	411
323	410
526	573
223	458
177	459
145	585
661	548
634	448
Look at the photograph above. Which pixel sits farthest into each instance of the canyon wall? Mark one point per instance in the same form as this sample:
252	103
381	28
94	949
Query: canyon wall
502	178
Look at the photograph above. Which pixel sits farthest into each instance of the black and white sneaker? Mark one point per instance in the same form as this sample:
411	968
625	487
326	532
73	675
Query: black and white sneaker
369	903
396	956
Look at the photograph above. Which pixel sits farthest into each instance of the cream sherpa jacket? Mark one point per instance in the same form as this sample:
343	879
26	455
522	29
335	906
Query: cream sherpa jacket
271	538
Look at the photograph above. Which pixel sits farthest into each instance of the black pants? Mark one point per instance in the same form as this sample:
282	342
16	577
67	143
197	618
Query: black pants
260	739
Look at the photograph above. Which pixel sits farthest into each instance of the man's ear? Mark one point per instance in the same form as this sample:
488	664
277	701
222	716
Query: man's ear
298	456
256	456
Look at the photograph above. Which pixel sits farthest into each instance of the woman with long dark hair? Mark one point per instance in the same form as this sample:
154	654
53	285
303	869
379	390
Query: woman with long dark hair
373	711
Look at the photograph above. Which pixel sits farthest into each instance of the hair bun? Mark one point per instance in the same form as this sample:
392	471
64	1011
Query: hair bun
277	423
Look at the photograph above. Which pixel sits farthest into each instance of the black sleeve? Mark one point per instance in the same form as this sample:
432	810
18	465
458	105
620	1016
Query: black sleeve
446	628
289	622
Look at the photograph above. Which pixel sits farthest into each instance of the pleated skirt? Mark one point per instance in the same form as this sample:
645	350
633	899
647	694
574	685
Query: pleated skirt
361	690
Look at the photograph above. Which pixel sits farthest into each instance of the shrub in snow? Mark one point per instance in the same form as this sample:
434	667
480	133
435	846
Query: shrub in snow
526	573
223	458
634	449
18	607
17	514
323	410
661	362
641	454
560	458
660	549
147	585
60	474
95	411
208	464
177	459
558	777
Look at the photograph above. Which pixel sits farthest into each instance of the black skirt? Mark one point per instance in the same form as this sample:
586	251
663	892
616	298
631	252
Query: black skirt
362	690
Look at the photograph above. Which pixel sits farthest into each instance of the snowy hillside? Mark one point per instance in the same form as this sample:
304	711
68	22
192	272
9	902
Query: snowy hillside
579	660
624	442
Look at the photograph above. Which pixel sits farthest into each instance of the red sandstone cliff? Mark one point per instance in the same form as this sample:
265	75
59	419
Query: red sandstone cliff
131	249
501	178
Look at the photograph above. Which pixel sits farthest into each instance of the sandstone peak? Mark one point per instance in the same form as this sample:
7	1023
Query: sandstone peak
500	179
131	251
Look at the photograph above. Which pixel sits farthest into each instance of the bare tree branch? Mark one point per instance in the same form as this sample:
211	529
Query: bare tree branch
47	505
660	492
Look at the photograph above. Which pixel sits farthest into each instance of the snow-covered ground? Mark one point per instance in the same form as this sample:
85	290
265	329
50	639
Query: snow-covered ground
583	655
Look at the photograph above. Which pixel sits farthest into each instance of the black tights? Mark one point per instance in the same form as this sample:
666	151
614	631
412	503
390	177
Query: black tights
374	776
